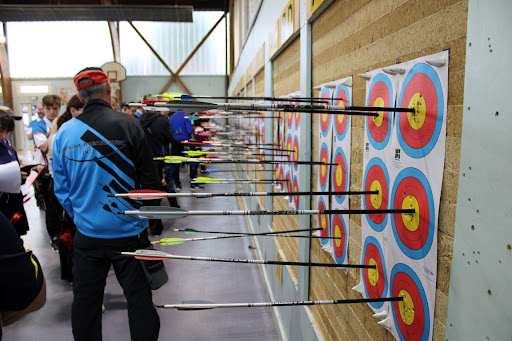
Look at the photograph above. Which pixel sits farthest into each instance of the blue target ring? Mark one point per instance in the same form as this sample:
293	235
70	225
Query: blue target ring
380	81
379	227
414	173
344	127
340	252
326	232
325	119
404	278
339	155
383	287
429	72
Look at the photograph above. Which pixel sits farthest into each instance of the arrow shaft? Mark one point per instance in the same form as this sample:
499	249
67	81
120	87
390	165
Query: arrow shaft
160	255
203	306
251	234
166	213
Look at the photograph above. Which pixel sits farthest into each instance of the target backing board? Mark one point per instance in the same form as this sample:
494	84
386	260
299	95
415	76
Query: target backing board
340	172
323	181
416	171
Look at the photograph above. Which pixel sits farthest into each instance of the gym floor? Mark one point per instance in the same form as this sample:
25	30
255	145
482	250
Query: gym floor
188	280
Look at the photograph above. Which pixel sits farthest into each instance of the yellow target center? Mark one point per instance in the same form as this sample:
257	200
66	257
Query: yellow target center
373	274
377	120
340	118
376	199
337	234
417	118
339	176
323	222
323	168
324	117
406	307
411	220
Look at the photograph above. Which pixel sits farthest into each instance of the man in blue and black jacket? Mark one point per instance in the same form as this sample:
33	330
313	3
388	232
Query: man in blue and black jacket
97	153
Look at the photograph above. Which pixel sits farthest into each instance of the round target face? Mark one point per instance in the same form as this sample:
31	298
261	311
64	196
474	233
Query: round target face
341	122
376	178
414	232
339	231
325	119
378	129
339	174
296	150
276	171
418	132
289	119
323	221
324	169
374	280
280	174
289	146
297	120
296	189
288	183
411	316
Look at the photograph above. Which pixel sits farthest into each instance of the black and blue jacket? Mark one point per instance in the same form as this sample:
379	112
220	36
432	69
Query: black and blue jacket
98	153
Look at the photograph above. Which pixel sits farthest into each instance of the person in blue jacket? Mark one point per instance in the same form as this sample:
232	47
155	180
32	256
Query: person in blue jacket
95	154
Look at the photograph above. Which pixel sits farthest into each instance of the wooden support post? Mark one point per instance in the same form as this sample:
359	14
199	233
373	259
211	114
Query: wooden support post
161	60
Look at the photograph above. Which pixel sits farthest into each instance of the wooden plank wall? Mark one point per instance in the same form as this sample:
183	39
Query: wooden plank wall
286	79
350	38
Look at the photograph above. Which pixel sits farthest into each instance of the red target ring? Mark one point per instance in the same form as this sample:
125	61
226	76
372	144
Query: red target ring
340	175
295	149
411	316
339	245
324	169
375	280
376	178
380	91
289	146
341	121
296	189
323	221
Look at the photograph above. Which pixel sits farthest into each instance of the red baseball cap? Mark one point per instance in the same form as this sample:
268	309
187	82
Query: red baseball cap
92	75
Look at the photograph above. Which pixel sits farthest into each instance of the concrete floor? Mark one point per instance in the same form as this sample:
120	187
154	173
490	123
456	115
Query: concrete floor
188	280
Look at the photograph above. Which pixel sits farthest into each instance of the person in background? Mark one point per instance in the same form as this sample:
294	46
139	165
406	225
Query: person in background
128	110
158	132
40	114
11	198
114	102
40	133
182	130
22	282
96	154
66	226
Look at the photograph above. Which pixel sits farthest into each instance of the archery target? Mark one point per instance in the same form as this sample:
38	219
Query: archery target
374	280
418	132
414	233
325	119
295	148
411	316
295	189
288	183
289	146
380	94
341	122
289	119
323	221
339	230
324	169
297	120
340	174
376	177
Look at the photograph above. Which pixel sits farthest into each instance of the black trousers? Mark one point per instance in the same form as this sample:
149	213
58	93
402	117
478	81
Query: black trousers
92	258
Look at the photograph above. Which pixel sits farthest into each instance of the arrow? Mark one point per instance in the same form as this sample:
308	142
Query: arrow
203	180
177	241
202	152
190	106
180	159
175	96
190	231
145	254
159	212
204	305
149	194
214	170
